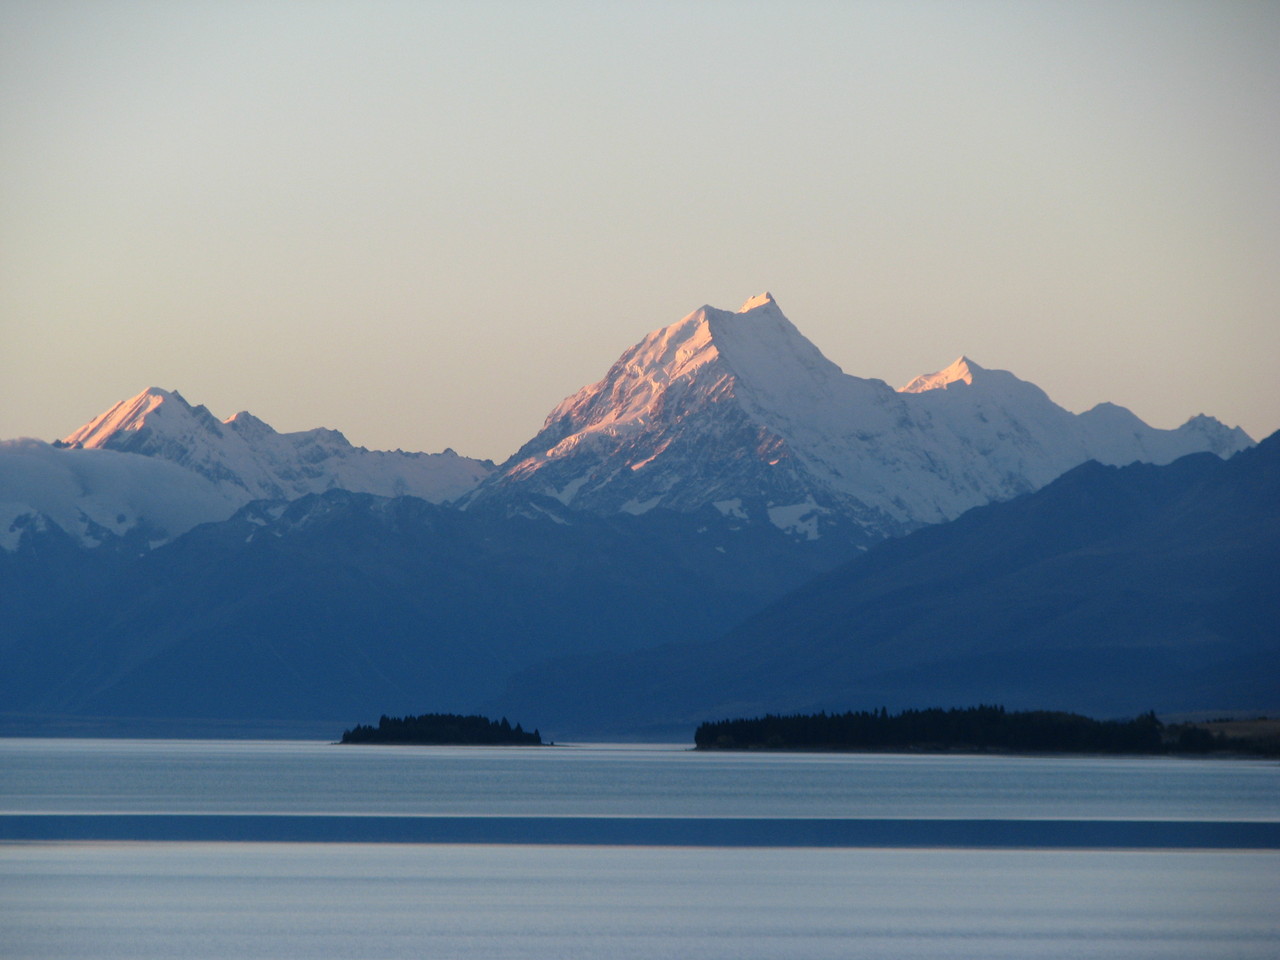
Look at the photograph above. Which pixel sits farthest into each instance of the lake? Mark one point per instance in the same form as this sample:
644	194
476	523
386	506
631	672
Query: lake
118	848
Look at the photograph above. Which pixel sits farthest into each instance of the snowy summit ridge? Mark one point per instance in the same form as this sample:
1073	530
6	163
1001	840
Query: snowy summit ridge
739	411
153	466
962	371
245	456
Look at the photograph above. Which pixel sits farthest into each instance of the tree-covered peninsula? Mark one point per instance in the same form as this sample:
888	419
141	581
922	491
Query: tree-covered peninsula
443	729
982	728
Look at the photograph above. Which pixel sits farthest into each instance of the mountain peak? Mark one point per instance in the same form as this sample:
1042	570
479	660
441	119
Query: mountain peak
961	371
127	415
244	458
246	423
739	411
1210	431
709	351
759	300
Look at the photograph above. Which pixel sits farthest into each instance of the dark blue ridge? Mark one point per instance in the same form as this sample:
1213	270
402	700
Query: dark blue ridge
648	831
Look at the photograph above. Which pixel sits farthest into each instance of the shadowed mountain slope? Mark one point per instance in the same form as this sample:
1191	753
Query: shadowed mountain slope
1110	591
339	606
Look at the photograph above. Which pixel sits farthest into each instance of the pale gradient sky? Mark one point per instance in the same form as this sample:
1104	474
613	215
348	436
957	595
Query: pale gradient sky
425	223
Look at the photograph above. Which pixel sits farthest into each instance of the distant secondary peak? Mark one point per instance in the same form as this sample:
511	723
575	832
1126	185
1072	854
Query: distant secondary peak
961	371
759	300
246	421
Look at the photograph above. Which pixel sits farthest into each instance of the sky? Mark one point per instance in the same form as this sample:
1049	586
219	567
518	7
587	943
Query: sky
424	224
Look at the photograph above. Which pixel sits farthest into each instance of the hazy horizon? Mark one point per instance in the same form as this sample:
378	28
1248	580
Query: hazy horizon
425	224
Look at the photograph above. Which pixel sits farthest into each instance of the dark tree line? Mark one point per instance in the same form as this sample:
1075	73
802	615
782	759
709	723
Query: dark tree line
443	728
973	728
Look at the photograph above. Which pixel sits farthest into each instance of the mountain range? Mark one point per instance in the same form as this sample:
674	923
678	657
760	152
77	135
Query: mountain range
161	567
733	410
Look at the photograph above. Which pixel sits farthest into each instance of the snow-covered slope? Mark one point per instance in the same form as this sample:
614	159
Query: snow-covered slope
740	411
154	466
247	457
99	495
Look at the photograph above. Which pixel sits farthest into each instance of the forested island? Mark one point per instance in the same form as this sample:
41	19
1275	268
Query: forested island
974	729
443	729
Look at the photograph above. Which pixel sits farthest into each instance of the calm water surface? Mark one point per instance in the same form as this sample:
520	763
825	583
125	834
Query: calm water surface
367	900
193	776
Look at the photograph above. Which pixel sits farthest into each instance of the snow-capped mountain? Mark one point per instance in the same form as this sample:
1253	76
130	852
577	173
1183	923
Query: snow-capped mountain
732	411
740	411
246	455
96	496
154	466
